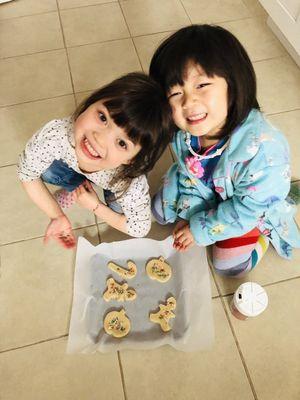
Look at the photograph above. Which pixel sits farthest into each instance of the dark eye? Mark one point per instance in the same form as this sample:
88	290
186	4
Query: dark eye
202	85
174	94
102	117
122	144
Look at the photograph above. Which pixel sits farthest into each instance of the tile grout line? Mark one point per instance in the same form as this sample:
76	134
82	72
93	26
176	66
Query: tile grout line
186	12
66	50
88	5
31	54
29	15
272	58
41	237
281	281
37	100
282	112
237	343
122	375
8	165
131	37
98	42
152	34
263	285
34	344
237	19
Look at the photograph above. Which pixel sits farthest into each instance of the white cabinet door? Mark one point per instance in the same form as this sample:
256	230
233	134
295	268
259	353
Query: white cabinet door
286	16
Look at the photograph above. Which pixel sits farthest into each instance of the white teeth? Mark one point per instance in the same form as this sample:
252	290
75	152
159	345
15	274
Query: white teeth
196	117
90	148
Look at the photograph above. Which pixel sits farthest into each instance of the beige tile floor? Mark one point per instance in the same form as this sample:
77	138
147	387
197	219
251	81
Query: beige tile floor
52	53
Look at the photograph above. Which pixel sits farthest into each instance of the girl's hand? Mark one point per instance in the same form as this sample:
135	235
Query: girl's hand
60	229
86	196
183	238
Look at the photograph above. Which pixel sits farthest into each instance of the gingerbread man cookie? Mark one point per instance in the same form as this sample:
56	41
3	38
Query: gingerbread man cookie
124	273
116	323
118	292
164	314
158	269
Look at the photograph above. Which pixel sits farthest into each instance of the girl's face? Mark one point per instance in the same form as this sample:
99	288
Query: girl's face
200	105
99	143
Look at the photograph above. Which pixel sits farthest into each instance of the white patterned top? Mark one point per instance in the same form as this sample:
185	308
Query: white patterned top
55	141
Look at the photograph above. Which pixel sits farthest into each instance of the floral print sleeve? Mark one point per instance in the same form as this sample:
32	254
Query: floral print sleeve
258	187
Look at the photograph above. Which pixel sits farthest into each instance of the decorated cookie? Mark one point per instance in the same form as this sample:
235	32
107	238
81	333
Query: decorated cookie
118	292
164	314
158	269
116	323
123	272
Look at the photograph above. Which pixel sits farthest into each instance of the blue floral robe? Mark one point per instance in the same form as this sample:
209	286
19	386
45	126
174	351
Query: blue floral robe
251	180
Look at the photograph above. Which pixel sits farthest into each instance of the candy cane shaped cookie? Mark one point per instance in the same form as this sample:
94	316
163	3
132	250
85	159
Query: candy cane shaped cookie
123	272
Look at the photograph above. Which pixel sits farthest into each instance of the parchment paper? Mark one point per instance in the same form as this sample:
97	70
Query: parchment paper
192	328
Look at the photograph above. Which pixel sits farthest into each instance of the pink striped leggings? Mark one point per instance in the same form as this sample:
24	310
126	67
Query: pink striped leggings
237	256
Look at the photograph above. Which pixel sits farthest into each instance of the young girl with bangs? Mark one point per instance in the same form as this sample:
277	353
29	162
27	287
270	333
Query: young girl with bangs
113	139
230	184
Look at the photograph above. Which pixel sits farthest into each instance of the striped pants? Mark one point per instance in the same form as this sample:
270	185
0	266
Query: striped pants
236	257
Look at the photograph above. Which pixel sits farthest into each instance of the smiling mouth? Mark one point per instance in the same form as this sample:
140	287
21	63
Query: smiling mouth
196	118
88	150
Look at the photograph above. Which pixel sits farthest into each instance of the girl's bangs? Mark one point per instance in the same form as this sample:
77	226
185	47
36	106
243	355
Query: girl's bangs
122	118
175	73
177	69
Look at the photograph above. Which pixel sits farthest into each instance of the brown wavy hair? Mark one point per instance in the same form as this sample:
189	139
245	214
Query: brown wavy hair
137	104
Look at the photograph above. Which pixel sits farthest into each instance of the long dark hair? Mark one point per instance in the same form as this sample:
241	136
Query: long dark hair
137	104
218	52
